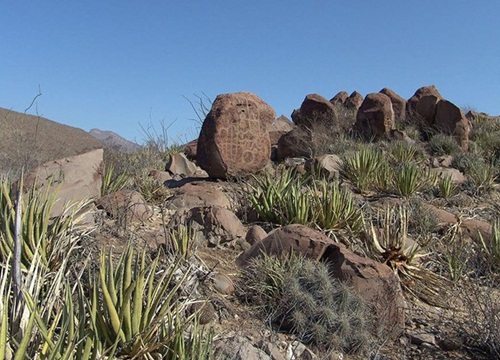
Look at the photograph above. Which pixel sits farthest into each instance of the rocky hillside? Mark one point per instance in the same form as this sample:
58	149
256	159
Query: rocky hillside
368	227
30	140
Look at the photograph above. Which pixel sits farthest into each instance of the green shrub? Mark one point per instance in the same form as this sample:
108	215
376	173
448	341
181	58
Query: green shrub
361	167
300	295
482	177
446	187
291	198
403	152
441	144
491	247
410	178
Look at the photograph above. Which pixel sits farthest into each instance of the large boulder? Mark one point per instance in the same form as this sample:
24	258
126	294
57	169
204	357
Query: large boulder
354	100
197	194
450	120
374	281
339	98
234	138
398	104
423	104
73	178
316	111
297	143
375	117
278	128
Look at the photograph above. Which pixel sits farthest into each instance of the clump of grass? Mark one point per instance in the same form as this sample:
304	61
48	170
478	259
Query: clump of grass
491	247
482	177
361	167
410	178
299	295
290	197
441	144
446	187
404	152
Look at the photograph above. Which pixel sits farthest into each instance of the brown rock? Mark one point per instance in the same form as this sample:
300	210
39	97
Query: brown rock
234	139
450	120
374	281
354	100
456	176
216	224
422	105
197	194
190	149
296	143
375	117
74	178
255	234
340	98
278	128
126	206
328	164
178	164
316	110
398	104
222	284
160	176
475	227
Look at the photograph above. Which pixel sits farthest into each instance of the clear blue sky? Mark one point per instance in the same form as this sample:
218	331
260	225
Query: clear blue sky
114	64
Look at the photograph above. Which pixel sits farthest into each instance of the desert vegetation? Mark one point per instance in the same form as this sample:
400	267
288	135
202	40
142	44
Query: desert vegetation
106	290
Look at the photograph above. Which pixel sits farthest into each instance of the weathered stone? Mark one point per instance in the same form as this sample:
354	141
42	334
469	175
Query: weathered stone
178	164
238	348
456	176
234	138
430	90
222	284
398	104
126	206
255	234
328	164
190	149
197	194
278	128
354	100
375	117
374	281
74	178
217	225
450	120
160	176
316	111
340	98
296	143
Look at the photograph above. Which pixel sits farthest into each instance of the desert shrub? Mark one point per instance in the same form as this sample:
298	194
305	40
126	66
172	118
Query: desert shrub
300	295
490	246
361	167
441	144
290	197
481	177
446	187
480	329
53	238
111	181
404	152
409	178
485	134
421	222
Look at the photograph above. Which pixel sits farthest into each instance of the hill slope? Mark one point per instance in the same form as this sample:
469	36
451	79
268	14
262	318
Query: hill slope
30	140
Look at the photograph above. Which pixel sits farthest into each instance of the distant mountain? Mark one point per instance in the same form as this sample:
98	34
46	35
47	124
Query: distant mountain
29	140
111	139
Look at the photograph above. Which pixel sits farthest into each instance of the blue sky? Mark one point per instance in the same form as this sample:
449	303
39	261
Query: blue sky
116	64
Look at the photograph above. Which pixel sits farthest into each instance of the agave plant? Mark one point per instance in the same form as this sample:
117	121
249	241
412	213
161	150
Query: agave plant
112	182
360	168
409	178
139	314
39	231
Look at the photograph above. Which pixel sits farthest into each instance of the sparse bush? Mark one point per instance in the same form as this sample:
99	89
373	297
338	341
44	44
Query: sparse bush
403	152
491	247
301	296
441	144
482	178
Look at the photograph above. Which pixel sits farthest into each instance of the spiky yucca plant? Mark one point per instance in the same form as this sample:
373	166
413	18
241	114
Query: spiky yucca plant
410	178
51	237
361	167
